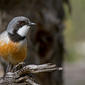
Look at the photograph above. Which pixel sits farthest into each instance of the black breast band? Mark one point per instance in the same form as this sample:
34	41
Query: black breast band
16	37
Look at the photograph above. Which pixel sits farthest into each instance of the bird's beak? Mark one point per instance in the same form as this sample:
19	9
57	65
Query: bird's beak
32	24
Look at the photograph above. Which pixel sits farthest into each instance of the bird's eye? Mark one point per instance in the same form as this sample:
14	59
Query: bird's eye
21	23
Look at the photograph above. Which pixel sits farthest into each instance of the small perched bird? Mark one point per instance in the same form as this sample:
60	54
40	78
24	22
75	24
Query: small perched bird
13	43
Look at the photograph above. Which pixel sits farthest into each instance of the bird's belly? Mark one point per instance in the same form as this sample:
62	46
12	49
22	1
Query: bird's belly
13	52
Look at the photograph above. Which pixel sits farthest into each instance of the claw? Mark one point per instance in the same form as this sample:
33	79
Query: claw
18	66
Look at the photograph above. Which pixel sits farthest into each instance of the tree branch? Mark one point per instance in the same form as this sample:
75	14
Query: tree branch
15	76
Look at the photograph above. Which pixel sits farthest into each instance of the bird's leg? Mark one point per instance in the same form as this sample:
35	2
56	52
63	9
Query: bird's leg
9	68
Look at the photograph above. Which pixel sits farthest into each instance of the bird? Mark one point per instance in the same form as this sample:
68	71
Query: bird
13	41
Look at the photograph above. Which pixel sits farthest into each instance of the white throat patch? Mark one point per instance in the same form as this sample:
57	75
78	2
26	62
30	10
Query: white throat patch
23	30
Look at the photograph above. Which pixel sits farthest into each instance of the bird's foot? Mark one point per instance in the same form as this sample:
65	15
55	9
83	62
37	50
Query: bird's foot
18	66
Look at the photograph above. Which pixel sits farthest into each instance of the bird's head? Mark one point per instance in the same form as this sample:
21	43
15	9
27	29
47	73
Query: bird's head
19	26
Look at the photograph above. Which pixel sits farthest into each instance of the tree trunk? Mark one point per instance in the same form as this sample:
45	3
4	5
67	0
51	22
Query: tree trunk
46	40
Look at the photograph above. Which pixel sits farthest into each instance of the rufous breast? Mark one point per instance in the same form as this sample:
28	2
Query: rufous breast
13	52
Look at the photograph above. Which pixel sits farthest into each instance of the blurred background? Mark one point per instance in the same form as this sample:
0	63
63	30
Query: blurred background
58	37
74	63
